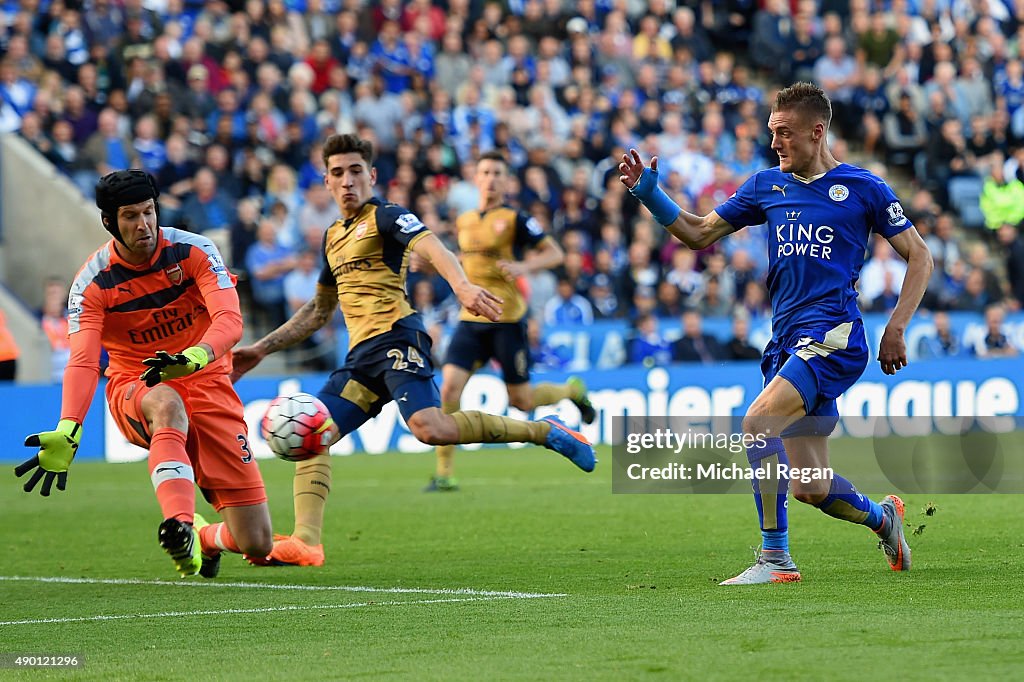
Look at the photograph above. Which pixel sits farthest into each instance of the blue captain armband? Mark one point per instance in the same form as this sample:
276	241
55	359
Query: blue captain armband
651	195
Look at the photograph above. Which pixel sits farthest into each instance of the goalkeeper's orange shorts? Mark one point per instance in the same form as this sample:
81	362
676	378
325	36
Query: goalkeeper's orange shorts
217	443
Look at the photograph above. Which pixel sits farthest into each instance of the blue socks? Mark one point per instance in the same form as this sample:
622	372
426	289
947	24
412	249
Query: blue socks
775	540
844	502
769	496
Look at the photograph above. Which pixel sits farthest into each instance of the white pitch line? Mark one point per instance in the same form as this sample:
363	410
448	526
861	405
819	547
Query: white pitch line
269	609
277	586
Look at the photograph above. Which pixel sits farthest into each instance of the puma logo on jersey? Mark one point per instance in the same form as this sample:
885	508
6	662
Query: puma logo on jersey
176	469
776	188
805	341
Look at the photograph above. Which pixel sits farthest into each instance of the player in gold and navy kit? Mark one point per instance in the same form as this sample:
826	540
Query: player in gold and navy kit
492	241
366	257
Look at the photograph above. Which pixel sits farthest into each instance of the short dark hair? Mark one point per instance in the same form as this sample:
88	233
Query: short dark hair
493	155
806	99
347	144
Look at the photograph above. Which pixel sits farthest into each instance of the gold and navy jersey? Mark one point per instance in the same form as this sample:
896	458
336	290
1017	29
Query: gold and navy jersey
365	259
488	237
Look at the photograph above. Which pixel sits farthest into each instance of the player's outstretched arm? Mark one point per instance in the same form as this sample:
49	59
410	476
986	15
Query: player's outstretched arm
695	231
545	256
473	298
314	315
58	447
892	351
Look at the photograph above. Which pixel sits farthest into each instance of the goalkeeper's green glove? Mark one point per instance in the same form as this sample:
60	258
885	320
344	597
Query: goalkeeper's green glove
56	450
166	366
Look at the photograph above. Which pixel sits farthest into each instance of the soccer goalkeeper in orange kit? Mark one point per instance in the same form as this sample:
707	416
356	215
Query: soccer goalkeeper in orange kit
162	303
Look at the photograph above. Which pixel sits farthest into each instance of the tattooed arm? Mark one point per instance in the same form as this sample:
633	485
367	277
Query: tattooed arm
315	314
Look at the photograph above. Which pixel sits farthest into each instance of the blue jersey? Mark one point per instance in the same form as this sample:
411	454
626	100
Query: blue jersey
818	233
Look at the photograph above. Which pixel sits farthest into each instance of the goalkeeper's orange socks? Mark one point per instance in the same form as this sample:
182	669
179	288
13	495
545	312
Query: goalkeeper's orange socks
172	476
216	538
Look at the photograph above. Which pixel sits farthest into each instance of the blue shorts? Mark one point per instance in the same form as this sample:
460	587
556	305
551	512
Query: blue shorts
395	366
821	363
474	343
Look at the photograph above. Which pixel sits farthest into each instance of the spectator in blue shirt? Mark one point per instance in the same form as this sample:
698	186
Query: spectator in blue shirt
568	307
151	151
228	107
267	263
473	112
107	149
544	357
944	344
15	90
392	59
649	348
206	208
996	344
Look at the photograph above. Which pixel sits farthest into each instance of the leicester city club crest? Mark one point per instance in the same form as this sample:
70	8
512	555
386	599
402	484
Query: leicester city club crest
838	192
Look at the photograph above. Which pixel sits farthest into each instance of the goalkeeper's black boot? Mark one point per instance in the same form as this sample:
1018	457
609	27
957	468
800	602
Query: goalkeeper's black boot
181	541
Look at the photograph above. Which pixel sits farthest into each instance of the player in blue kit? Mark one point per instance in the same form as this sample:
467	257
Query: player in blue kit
821	215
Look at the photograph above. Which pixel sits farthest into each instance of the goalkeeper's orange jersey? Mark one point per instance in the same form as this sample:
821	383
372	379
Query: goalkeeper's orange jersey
183	296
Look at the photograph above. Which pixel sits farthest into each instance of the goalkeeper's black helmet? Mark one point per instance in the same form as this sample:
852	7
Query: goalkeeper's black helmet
123	188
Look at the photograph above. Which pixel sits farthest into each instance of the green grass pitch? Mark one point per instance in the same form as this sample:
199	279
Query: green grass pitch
638	573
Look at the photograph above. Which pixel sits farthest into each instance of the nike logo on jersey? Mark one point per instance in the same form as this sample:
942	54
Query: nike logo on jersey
776	188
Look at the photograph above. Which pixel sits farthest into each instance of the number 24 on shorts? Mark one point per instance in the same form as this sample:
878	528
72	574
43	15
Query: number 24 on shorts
402	362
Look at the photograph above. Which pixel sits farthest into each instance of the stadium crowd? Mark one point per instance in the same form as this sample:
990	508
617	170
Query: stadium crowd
226	103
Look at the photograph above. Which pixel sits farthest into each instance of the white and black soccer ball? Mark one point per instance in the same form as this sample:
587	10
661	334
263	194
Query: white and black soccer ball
297	427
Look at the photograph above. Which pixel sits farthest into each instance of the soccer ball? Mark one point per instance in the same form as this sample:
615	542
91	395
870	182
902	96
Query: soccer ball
297	427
